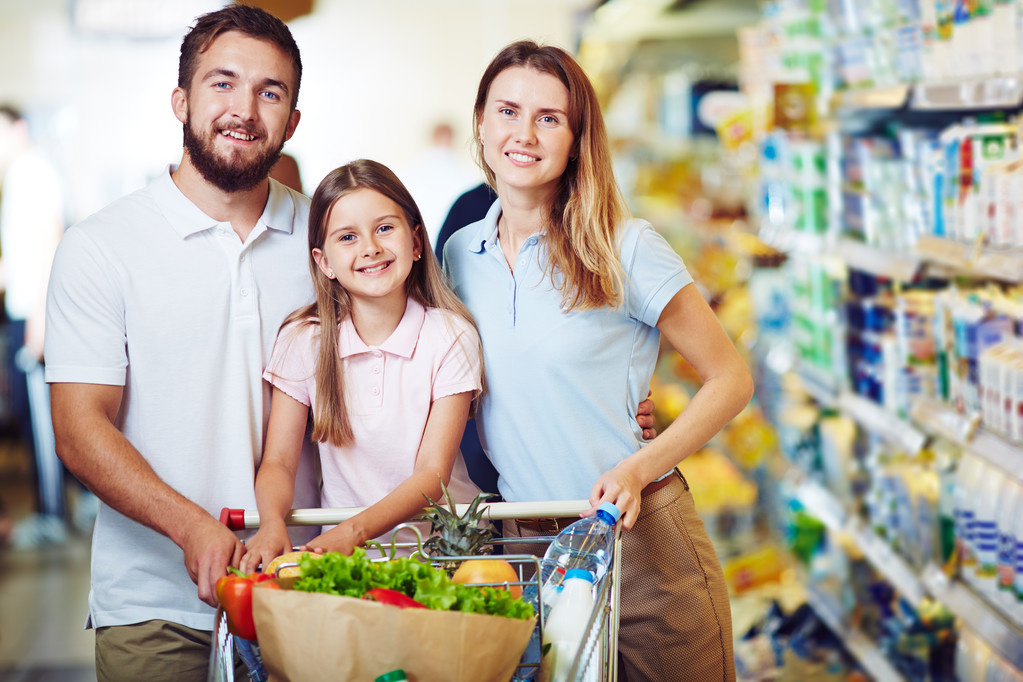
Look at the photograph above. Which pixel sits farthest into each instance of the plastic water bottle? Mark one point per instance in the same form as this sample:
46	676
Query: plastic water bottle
587	544
565	629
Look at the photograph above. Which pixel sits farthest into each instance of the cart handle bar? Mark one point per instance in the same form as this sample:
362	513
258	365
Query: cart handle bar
239	519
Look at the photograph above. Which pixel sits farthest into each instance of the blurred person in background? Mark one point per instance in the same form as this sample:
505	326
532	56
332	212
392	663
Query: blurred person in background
162	311
438	177
32	221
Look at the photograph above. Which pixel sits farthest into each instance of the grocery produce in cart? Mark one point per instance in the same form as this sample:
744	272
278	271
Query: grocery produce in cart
355	617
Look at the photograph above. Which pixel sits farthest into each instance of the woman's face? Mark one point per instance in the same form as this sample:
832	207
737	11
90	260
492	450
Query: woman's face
525	133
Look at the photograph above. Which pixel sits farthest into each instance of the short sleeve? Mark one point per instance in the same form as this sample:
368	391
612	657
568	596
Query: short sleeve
460	365
654	272
292	365
85	315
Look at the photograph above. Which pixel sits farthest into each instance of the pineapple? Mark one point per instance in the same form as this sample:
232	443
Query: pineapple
452	535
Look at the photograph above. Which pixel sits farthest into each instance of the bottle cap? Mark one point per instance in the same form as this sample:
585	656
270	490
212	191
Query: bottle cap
580	573
393	676
611	510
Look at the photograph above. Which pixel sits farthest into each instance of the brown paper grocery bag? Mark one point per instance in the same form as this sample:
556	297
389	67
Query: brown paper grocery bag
305	637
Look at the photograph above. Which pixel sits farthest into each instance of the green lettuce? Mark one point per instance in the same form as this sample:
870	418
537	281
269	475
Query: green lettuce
352	576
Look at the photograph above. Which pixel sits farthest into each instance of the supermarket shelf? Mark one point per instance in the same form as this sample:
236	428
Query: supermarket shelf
889	426
822	386
891	264
856	643
970	259
892	97
820	502
942	420
976	614
993	92
790	240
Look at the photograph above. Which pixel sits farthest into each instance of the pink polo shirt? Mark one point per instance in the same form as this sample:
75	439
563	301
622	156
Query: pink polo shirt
389	389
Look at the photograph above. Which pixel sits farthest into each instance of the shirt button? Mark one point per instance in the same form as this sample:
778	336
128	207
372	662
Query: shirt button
377	354
244	292
376	391
241	259
376	370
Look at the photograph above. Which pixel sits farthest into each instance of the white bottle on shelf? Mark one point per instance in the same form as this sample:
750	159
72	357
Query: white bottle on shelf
967	474
1016	615
990	491
1011	506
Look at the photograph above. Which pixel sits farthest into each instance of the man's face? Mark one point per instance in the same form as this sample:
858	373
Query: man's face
237	111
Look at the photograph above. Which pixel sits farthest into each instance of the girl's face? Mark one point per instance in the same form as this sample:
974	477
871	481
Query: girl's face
525	132
369	247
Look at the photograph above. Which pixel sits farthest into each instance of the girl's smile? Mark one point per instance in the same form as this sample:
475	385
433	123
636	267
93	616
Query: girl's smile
369	248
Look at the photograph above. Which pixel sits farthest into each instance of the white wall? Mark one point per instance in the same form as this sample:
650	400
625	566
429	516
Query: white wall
378	75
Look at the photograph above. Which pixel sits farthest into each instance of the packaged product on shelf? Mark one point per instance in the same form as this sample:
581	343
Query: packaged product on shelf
997	209
969	149
1010	507
967	478
837	457
945	456
1017	530
1004	36
914	332
990	490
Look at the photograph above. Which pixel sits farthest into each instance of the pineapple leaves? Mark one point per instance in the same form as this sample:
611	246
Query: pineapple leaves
453	535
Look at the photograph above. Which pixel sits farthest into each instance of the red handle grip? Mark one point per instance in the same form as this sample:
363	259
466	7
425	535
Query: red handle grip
234	519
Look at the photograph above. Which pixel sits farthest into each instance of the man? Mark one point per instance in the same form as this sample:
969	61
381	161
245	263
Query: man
161	314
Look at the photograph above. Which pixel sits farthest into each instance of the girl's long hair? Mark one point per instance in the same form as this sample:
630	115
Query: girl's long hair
582	220
425	284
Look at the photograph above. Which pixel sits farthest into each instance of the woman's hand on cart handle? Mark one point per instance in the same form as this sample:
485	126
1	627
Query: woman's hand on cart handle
622	487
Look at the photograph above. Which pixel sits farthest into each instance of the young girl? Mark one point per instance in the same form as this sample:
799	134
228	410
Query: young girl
571	297
387	359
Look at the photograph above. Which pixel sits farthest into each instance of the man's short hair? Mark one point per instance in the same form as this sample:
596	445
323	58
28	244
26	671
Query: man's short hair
251	21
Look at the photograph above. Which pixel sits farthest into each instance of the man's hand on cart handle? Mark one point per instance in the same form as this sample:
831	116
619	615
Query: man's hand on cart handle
209	549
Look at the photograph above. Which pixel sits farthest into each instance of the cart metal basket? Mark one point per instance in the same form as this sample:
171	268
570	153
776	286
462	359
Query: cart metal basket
596	660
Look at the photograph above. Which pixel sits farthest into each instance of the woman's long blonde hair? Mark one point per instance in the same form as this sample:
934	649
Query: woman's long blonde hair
583	219
425	284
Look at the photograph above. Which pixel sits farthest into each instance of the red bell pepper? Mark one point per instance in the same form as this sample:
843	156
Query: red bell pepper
392	597
234	592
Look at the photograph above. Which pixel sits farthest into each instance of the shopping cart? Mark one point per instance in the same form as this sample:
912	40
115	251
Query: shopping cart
597	658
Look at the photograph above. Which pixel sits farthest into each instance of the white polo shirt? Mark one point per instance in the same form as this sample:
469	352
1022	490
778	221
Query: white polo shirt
152	294
562	388
389	390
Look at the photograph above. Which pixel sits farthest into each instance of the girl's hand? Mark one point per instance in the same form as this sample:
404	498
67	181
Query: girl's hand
623	488
341	538
262	548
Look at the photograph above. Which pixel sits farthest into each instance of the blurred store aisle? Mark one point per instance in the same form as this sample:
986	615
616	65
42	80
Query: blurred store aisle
43	593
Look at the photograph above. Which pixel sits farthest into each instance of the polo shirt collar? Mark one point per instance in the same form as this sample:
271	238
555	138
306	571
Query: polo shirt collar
402	340
485	236
187	219
485	232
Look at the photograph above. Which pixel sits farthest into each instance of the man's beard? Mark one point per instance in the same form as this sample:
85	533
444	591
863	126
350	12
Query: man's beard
229	174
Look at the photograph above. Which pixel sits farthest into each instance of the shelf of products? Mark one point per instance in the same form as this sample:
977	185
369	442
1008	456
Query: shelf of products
822	504
971	259
1003	637
896	265
862	648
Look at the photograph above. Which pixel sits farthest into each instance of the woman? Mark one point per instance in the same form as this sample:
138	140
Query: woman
571	296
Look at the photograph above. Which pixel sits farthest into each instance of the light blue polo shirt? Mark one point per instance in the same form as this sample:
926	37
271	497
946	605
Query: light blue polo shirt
562	388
